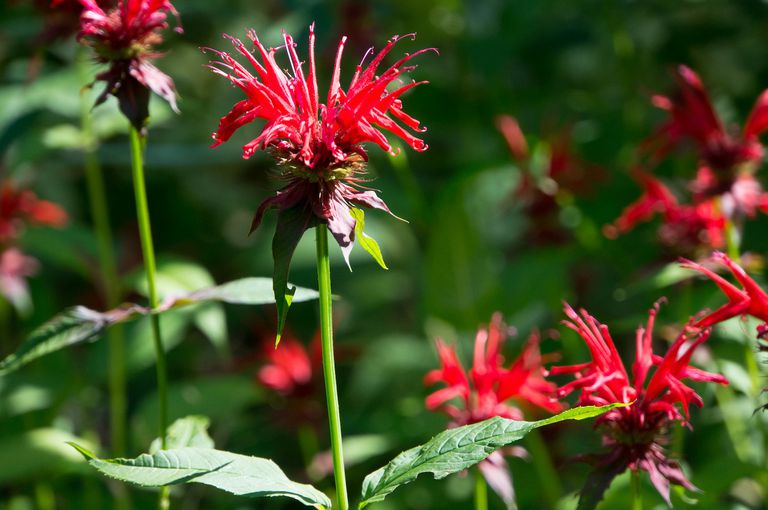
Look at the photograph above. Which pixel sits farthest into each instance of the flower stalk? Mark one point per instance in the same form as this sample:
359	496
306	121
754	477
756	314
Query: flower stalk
637	497
329	368
148	253
481	491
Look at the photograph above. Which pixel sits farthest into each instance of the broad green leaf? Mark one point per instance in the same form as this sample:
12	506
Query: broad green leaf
368	243
71	327
291	224
238	474
458	449
190	431
249	291
80	324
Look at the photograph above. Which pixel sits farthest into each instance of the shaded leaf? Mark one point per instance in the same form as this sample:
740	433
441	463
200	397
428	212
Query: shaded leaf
368	243
457	449
190	431
598	481
238	474
291	224
80	324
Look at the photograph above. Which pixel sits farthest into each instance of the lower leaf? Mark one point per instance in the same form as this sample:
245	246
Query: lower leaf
458	449
237	474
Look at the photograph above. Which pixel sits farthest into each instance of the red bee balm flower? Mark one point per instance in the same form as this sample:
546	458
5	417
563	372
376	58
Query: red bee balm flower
317	145
486	390
20	207
636	434
749	300
692	117
124	38
724	187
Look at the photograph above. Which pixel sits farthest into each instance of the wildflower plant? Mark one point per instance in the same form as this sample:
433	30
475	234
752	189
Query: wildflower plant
724	190
655	395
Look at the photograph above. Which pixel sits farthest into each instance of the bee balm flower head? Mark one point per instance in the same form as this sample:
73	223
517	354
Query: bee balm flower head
635	434
318	141
124	37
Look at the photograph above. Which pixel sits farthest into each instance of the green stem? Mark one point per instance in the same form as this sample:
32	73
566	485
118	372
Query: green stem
97	197
481	491
637	496
545	470
329	368
148	252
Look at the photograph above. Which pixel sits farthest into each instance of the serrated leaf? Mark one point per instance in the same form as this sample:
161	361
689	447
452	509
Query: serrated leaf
291	224
237	474
367	242
458	449
71	327
597	483
80	324
190	431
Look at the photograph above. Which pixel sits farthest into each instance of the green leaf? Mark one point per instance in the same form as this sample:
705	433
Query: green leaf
71	327
249	291
458	449
291	224
80	324
190	431
367	242
238	474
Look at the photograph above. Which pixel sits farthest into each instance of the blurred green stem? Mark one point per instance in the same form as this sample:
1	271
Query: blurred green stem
542	463
97	197
329	368
637	496
481	491
148	253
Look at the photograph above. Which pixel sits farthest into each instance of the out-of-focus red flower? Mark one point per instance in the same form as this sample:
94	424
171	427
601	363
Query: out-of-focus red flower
22	207
635	434
290	366
543	191
724	188
15	267
125	37
692	118
486	390
318	144
750	299
684	226
490	389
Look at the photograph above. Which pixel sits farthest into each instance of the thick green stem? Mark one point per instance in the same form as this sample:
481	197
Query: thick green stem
637	496
481	491
97	197
148	252
329	368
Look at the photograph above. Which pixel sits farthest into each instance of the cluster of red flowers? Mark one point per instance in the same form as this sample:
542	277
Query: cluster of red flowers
318	145
124	37
19	209
724	188
543	191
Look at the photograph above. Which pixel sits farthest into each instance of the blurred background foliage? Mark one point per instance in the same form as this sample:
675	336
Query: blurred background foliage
471	246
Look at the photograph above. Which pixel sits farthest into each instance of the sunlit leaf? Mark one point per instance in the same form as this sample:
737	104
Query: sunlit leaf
238	474
190	431
458	449
368	243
